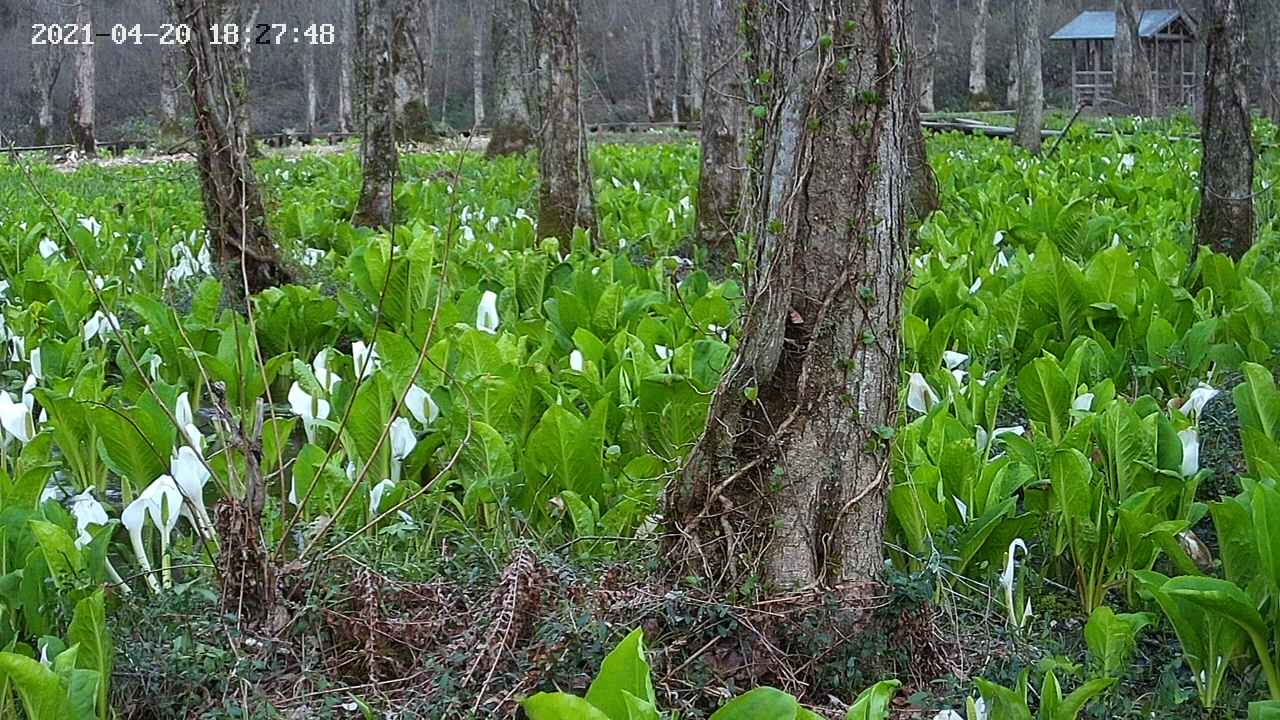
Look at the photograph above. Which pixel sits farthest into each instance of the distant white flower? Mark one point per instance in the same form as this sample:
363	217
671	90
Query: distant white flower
134	517
671	217
48	248
37	367
920	396
664	352
100	324
953	359
91	224
1010	430
980	436
686	205
469	235
191	475
421	406
4	289
16	419
616	182
365	358
1083	402
310	409
312	256
998	237
522	215
717	330
17	348
976	286
960	375
153	366
1007	577
948	715
376	493
1190	451
1198	399
320	367
402	439
635	185
487	313
998	262
575	361
1126	163
182	410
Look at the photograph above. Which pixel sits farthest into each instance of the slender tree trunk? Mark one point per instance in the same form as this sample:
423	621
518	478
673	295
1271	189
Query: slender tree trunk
922	198
1132	71
512	129
45	65
677	60
234	215
477	60
691	31
720	176
1226	221
170	82
1271	48
312	91
656	77
412	70
650	92
787	486
82	105
1013	92
378	24
1030	80
565	196
978	55
928	56
346	46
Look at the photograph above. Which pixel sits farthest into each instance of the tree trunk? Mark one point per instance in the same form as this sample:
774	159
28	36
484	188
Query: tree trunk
978	56
477	60
234	215
787	485
1013	92
657	80
82	103
170	82
1030	80
928	56
512	129
413	47
346	48
1132	74
691	31
565	197
45	66
379	25
720	175
1226	221
312	92
922	197
1271	64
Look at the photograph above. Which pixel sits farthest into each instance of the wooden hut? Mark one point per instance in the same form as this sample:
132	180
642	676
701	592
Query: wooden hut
1166	37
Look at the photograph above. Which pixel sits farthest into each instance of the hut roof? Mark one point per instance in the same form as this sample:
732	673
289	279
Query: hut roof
1101	25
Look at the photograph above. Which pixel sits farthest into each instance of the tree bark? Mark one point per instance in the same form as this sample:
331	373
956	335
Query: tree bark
928	56
234	215
787	485
1226	221
45	66
720	175
82	103
379	25
413	48
1271	64
1030	79
1132	74
978	55
565	196
1012	93
170	82
346	46
657	78
312	91
512	130
477	60
691	31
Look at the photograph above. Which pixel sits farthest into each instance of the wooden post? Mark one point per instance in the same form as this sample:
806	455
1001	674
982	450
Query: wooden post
1075	81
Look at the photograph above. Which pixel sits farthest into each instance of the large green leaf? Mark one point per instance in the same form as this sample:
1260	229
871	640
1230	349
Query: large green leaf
1047	395
88	629
40	689
60	552
561	706
1112	638
762	703
126	447
873	703
624	670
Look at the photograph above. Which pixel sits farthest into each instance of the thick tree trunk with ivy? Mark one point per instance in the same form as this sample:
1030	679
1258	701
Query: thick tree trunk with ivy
720	177
1132	74
787	485
512	130
234	215
565	197
1030	80
978	56
377	26
82	99
1226	221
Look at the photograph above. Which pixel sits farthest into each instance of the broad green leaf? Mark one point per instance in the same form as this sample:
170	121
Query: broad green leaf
60	552
561	706
39	688
88	629
873	703
762	703
623	670
1112	638
1047	395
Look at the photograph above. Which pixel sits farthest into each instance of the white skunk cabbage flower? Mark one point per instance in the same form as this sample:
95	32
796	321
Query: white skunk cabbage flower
48	248
37	366
664	352
164	508
953	359
1010	430
421	406
1197	400
326	378
153	366
191	475
91	224
1084	402
402	439
376	493
88	511
310	409
365	358
920	396
976	286
1006	582
1190	451
998	237
487	313
16	419
100	324
133	518
17	348
575	361
998	262
980	436
182	410
977	711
